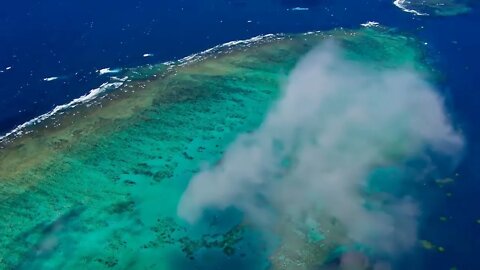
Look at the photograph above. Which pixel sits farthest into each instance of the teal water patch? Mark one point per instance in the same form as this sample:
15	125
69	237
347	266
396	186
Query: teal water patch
100	189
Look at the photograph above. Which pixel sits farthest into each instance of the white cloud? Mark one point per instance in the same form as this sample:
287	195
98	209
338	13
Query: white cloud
336	122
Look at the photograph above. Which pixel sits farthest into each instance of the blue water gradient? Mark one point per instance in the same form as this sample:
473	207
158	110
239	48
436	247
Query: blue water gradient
73	39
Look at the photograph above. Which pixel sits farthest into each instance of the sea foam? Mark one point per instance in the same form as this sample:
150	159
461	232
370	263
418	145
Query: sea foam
108	71
49	79
117	82
370	24
19	130
298	9
401	4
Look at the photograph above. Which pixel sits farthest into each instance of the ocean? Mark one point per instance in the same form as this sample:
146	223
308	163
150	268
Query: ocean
74	40
55	51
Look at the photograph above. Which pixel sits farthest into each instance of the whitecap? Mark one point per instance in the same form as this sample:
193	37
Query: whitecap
19	130
114	78
298	9
148	55
61	108
245	42
370	24
49	79
108	70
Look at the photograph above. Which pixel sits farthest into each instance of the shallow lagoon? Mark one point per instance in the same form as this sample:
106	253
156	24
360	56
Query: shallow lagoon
97	186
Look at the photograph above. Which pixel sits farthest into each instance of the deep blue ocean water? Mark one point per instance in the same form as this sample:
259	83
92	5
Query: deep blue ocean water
73	39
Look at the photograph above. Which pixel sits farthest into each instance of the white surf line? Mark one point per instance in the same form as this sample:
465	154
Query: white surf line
247	42
120	81
78	101
49	79
370	24
400	4
108	70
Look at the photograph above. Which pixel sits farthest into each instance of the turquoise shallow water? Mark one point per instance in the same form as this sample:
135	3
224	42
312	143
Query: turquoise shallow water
99	187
